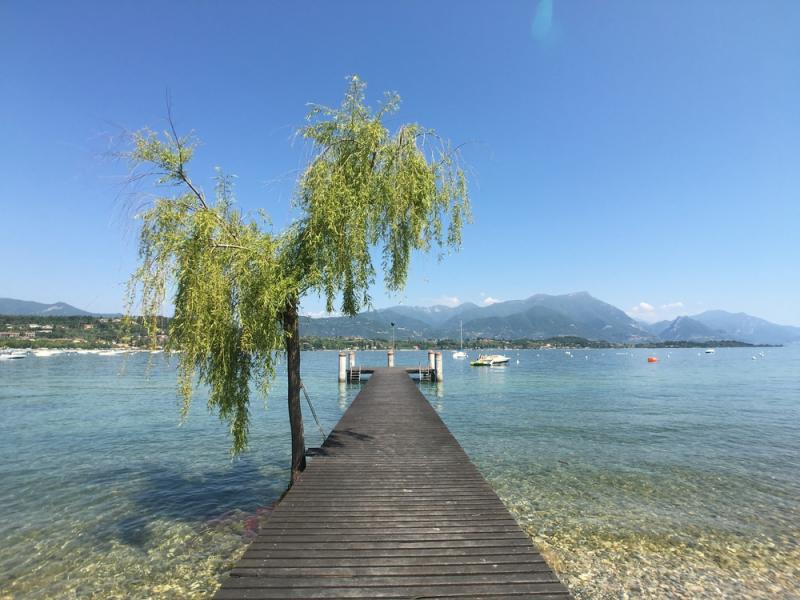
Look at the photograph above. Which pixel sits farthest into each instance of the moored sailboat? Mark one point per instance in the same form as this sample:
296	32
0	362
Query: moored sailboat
460	353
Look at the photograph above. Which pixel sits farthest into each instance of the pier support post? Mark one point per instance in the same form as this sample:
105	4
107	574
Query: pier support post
352	358
390	358
431	359
342	367
439	369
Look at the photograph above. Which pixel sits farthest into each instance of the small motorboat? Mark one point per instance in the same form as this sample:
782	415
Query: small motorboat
110	352
489	360
710	351
44	352
13	355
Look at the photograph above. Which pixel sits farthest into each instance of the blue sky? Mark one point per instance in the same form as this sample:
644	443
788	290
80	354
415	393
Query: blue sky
648	152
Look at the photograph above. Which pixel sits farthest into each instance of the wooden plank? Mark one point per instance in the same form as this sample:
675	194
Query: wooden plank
537	591
388	544
391	507
468	553
260	568
252	559
364	581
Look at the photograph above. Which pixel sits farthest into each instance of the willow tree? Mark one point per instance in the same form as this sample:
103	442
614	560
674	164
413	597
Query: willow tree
366	191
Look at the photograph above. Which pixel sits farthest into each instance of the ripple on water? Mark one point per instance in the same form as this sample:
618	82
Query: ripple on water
603	547
678	481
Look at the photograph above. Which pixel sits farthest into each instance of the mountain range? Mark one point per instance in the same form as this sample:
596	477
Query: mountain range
538	317
542	316
25	308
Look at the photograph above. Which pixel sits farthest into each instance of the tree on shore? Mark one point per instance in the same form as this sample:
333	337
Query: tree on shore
238	284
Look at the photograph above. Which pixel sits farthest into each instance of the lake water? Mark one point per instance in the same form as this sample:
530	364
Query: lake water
675	479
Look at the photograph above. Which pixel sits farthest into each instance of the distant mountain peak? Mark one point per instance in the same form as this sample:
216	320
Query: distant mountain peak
20	308
539	316
747	328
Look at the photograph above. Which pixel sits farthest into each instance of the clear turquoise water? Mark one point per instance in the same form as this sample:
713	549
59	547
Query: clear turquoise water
675	479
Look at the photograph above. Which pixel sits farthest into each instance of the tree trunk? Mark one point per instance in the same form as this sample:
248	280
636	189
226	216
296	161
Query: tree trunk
292	331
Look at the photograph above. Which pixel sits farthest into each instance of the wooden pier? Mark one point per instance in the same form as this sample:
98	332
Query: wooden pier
359	374
350	372
391	507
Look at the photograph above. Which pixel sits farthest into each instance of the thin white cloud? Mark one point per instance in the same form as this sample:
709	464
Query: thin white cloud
672	306
489	300
450	301
643	308
645	311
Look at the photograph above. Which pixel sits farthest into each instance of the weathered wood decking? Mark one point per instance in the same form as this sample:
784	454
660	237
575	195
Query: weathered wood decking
392	508
359	373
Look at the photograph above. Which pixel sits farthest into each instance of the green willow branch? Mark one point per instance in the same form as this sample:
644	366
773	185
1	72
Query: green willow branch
238	286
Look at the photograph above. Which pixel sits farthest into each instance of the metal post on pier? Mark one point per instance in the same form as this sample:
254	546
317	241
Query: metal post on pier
390	358
439	369
342	367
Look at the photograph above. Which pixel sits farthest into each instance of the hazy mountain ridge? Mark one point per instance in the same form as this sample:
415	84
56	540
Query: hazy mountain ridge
13	307
748	328
540	316
537	317
689	330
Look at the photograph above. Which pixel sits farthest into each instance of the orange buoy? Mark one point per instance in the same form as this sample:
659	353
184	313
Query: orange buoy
652	359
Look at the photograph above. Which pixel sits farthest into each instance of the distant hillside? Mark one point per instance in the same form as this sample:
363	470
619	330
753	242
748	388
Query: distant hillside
543	316
746	328
689	330
12	307
538	317
370	325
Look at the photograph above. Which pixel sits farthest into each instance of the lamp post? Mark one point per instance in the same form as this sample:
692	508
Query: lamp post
392	336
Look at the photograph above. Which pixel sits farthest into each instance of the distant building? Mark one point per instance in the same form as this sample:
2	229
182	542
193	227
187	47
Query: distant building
88	326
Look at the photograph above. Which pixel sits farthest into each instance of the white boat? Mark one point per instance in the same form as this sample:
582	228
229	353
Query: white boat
13	355
489	360
499	359
710	351
460	354
110	352
43	352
